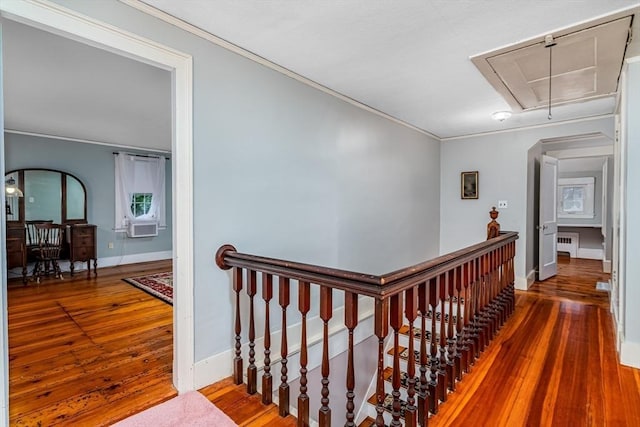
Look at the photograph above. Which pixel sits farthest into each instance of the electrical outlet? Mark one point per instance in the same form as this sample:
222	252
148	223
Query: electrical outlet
110	245
502	204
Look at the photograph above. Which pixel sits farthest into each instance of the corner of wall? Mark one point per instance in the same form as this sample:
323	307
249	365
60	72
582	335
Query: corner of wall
630	354
521	283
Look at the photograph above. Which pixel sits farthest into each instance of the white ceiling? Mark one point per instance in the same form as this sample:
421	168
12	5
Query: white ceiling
407	58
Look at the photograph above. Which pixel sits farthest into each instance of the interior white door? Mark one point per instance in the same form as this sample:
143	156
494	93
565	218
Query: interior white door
548	223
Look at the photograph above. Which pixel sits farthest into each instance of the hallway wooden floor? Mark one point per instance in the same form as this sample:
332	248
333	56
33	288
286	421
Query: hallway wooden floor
553	363
91	352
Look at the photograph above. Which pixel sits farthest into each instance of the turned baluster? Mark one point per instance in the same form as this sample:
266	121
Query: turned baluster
381	329
511	275
304	297
395	319
442	363
267	379
350	321
499	289
503	295
326	311
423	403
252	370
467	342
494	312
475	312
237	361
488	304
283	390
459	345
451	340
434	295
411	312
497	304
482	291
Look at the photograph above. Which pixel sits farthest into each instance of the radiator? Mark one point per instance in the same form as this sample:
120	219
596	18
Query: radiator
569	242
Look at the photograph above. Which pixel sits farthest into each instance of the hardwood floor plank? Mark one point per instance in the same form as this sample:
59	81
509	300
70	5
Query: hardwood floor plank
88	351
554	362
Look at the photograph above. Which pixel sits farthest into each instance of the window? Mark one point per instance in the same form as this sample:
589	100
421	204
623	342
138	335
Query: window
140	204
140	189
575	197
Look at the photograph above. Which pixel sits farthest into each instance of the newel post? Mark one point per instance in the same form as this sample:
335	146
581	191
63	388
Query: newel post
493	228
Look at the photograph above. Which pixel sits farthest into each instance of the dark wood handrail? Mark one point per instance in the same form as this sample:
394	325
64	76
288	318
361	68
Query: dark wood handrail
377	286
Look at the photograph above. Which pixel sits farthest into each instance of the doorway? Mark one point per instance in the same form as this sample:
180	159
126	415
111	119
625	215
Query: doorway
51	17
585	176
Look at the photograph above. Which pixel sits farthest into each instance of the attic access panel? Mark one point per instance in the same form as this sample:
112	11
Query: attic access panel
586	64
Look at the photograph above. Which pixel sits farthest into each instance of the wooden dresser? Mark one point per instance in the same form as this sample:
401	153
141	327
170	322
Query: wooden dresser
17	249
82	242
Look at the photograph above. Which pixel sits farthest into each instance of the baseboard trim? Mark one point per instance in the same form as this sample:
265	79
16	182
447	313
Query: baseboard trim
522	283
219	366
134	258
630	354
531	277
587	253
606	265
102	262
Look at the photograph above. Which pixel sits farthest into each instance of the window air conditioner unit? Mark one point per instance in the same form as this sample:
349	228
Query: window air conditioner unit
142	229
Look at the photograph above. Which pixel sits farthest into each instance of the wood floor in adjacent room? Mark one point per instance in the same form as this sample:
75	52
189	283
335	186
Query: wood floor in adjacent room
91	352
87	352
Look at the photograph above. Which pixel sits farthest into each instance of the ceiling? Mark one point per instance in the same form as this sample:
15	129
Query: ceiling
407	58
410	59
58	87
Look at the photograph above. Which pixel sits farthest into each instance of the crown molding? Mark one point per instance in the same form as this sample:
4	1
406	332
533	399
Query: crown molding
529	127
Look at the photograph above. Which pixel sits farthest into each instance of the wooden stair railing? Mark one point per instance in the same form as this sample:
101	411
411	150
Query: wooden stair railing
453	305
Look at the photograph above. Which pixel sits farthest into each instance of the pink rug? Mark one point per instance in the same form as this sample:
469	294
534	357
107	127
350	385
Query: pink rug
191	409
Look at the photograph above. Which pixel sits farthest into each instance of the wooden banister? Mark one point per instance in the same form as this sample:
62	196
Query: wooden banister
453	305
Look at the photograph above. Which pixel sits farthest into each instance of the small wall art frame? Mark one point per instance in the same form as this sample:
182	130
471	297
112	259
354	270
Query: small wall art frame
469	185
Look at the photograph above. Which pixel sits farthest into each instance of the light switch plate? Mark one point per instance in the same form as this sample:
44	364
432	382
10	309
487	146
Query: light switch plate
502	204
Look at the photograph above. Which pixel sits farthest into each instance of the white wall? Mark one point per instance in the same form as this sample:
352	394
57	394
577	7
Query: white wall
502	160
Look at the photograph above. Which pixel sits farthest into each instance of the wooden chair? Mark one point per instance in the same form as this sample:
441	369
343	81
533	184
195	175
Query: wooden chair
50	239
32	237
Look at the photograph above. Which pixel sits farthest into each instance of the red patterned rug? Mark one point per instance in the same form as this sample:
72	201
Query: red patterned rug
160	285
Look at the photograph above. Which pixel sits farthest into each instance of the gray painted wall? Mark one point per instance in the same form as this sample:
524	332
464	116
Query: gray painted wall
632	281
504	163
94	166
283	170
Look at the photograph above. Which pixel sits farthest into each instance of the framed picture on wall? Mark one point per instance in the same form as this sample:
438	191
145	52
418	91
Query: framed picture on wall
469	185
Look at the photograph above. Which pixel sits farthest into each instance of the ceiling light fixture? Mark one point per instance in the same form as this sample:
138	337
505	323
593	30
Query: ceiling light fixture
549	43
11	189
501	115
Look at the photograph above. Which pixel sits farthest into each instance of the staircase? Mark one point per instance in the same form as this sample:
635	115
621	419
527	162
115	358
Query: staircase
447	368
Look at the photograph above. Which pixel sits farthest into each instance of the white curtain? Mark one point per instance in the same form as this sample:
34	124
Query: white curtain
137	174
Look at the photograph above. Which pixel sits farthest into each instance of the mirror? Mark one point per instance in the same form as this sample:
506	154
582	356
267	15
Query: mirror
48	195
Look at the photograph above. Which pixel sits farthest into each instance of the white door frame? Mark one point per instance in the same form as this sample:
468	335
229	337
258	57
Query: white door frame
68	23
